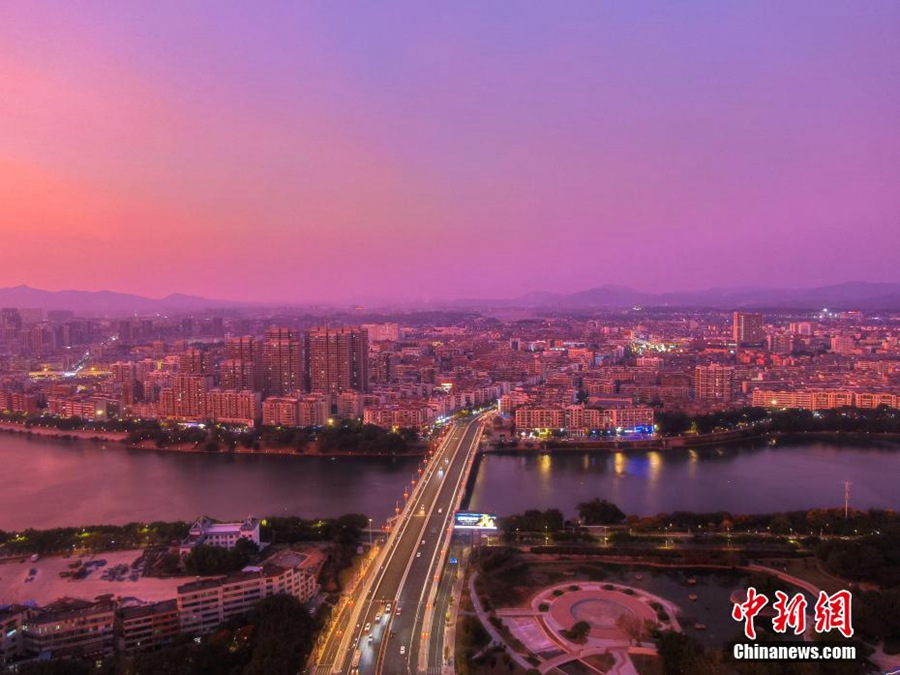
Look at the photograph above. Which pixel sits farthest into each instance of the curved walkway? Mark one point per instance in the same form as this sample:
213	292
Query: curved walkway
484	617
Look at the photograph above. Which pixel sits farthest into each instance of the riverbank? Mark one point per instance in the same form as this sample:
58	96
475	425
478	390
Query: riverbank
278	450
72	434
119	439
692	441
834	436
626	444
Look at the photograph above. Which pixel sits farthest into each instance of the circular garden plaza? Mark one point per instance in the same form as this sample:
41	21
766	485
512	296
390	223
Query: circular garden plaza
568	622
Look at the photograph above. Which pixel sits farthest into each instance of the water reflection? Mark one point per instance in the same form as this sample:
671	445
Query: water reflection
621	463
741	479
693	461
655	460
50	483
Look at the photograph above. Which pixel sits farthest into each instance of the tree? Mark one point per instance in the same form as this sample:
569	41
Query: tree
189	659
213	560
683	655
170	563
245	549
672	423
600	512
283	636
579	631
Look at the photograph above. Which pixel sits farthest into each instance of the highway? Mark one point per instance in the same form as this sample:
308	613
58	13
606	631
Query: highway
405	576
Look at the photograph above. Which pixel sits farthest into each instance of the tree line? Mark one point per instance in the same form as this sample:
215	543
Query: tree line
347	436
812	522
882	419
346	529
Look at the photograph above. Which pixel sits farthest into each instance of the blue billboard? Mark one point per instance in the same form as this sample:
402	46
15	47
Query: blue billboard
463	520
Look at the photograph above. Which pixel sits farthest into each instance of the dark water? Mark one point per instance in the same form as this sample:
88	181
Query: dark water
713	589
737	479
45	483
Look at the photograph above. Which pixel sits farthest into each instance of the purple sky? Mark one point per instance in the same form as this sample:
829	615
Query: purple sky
354	151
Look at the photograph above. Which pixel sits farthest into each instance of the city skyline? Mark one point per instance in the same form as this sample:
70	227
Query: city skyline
325	155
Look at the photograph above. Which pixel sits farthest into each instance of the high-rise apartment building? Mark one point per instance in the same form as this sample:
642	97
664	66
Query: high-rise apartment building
338	359
379	332
10	324
194	362
233	407
802	328
187	399
747	329
245	348
282	352
714	383
237	375
243	365
125	330
843	344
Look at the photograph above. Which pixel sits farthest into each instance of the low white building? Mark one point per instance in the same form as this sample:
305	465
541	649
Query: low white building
206	532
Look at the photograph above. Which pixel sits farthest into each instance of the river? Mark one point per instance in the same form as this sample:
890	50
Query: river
49	483
735	478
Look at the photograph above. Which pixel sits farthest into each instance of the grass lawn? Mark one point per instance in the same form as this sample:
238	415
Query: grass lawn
602	662
806	569
647	665
495	664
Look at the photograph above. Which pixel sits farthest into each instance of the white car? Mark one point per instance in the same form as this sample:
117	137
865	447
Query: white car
418	554
377	618
387	610
402	650
368	628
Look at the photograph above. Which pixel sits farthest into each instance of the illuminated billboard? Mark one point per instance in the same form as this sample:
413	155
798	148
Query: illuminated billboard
474	521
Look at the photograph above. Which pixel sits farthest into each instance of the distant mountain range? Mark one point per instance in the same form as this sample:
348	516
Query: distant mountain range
852	295
106	303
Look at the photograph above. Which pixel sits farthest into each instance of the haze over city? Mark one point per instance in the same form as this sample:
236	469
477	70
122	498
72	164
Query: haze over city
317	153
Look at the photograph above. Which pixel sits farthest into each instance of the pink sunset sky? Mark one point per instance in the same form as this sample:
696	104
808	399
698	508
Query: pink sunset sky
350	151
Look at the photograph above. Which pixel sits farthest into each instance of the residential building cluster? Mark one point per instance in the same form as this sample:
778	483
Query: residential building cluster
604	372
106	625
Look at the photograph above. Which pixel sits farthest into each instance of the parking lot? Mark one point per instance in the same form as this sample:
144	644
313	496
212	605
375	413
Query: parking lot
86	577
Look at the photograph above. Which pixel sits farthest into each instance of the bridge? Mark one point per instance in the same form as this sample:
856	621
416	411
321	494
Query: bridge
386	624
